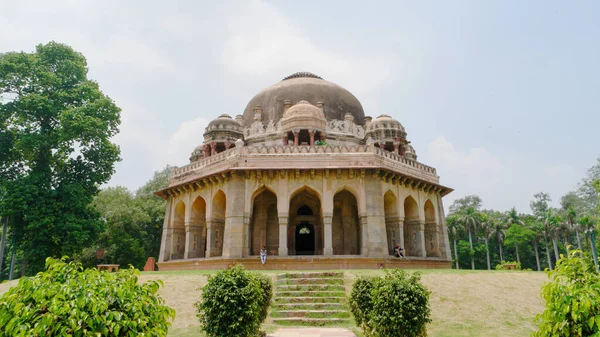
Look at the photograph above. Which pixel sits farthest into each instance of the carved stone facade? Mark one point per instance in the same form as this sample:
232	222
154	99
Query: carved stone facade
303	184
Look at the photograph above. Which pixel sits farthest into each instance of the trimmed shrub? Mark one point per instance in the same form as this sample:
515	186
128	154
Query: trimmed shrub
360	300
500	266
67	300
234	303
396	304
572	305
266	285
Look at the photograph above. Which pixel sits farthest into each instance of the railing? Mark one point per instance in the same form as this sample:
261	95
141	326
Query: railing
178	173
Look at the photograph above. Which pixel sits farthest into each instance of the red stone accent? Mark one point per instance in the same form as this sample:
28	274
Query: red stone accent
150	264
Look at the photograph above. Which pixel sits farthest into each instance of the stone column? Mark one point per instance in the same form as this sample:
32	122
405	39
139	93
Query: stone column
376	239
193	235
364	233
213	148
233	231
166	235
246	250
296	133
327	235
283	233
421	251
401	234
312	137
211	247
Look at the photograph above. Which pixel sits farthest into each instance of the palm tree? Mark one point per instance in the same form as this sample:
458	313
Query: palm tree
546	229
499	231
453	227
469	219
586	222
533	224
512	218
553	227
487	225
572	220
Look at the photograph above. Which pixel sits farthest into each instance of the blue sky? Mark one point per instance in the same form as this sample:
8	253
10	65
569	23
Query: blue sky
502	97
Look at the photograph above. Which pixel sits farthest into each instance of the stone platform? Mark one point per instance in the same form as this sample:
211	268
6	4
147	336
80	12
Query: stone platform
315	262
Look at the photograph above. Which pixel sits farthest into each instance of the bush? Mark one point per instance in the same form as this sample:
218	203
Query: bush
234	303
67	300
396	304
572	306
500	266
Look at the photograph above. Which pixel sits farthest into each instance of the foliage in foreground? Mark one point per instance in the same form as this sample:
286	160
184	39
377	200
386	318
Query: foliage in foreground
396	304
572	299
67	300
234	303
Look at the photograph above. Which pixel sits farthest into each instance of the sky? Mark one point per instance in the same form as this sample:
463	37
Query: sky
502	97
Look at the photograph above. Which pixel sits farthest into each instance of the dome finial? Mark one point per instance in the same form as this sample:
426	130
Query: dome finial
302	74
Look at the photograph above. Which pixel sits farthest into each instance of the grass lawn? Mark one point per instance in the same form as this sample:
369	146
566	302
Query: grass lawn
463	302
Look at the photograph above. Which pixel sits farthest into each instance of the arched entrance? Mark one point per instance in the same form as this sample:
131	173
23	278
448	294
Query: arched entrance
345	227
431	231
392	221
305	239
264	225
305	223
411	227
178	236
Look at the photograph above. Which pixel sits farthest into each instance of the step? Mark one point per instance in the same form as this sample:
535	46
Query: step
310	275
310	287
322	280
309	306
304	321
308	293
310	299
311	313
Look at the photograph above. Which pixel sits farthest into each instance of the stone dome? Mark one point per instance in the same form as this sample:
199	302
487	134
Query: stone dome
385	127
410	152
224	122
303	115
294	88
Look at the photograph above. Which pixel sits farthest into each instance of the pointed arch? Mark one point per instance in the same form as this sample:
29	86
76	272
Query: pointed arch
301	201
264	223
178	236
432	245
346	238
392	221
196	239
411	227
217	224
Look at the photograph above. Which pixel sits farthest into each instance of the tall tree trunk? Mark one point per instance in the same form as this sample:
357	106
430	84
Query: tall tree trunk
3	243
548	253
517	251
537	254
487	253
578	240
556	255
471	252
12	260
456	254
500	247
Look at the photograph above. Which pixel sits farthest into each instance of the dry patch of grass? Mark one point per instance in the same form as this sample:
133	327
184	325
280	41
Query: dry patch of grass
463	303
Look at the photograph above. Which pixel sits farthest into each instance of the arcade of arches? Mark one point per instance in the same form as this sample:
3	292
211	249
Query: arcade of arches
302	223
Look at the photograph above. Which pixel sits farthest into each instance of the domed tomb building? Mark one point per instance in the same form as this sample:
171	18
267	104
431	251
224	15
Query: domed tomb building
304	173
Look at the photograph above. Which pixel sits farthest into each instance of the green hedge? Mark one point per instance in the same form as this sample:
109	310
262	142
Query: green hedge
396	304
67	300
234	303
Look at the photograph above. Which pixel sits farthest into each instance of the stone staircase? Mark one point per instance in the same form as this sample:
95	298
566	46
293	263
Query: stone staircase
314	299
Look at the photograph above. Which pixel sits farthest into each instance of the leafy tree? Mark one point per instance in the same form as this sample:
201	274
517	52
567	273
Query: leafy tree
469	201
572	307
586	190
518	235
57	127
539	207
532	223
512	218
67	300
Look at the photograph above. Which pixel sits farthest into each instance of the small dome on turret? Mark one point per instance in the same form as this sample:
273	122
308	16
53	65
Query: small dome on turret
223	128
385	127
197	154
410	152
